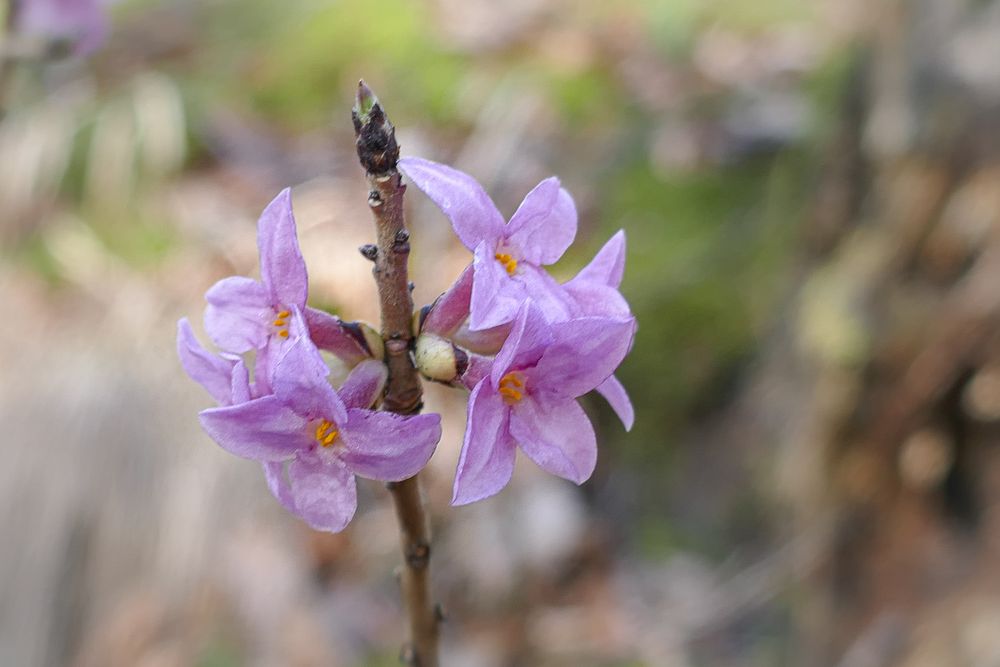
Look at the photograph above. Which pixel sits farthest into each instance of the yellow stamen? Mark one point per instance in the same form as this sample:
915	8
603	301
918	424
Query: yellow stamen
509	262
325	433
283	314
513	394
279	323
507	384
283	333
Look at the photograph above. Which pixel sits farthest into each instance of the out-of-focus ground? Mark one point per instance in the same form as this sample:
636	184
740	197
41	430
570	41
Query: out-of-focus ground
811	194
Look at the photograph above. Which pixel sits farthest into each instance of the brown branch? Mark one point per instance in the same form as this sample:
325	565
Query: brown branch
378	152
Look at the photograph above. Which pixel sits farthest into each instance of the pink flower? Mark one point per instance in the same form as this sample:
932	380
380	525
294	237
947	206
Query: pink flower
244	314
313	439
508	257
529	401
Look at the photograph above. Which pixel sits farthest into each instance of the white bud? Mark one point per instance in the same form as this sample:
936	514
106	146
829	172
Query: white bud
437	359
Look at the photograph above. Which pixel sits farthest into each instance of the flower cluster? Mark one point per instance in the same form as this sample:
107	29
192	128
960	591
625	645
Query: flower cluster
311	438
525	345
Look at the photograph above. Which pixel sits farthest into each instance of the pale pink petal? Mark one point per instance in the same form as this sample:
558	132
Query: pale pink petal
364	385
328	332
488	452
300	381
277	483
557	435
616	396
593	299
608	264
544	225
239	383
325	494
548	295
211	371
472	213
239	313
528	340
282	269
386	446
451	308
262	429
496	296
583	354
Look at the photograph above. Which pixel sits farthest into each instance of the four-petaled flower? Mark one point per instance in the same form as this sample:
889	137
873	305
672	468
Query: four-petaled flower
244	314
529	401
508	257
326	437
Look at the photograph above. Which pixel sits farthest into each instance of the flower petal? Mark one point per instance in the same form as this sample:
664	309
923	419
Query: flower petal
329	333
616	396
544	225
324	492
300	381
557	435
451	308
241	390
496	296
209	370
608	264
282	269
277	483
262	429
583	354
528	339
364	385
386	446
238	315
548	295
487	460
593	299
472	213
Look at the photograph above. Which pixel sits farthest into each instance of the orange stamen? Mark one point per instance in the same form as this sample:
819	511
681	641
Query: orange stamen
507	387
283	333
509	262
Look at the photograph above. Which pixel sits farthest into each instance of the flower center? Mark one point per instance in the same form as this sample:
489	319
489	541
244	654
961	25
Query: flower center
512	387
508	262
282	323
326	434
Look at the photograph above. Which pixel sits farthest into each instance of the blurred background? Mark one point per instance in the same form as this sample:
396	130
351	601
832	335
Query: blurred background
811	194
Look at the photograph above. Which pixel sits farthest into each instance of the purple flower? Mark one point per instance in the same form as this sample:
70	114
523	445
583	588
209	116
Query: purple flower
594	292
324	436
244	314
82	22
529	401
508	257
224	377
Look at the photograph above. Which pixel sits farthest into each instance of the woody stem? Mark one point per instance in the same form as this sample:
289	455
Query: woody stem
379	153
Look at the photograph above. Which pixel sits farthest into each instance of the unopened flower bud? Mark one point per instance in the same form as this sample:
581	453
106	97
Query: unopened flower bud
438	359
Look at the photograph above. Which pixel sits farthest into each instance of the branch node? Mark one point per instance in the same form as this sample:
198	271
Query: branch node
418	555
369	251
374	198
